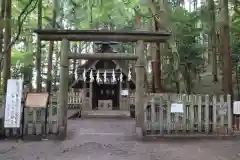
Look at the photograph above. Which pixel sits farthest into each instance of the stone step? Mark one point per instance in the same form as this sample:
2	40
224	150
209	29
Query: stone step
105	114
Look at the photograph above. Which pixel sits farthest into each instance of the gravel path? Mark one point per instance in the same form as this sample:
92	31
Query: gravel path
102	139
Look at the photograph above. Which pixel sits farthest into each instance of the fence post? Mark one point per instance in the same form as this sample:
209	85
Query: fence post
214	123
153	115
161	120
184	99
222	117
199	113
192	99
169	122
206	114
229	104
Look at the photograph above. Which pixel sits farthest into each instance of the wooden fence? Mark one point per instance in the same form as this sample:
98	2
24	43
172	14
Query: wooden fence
41	122
36	123
76	100
201	114
126	101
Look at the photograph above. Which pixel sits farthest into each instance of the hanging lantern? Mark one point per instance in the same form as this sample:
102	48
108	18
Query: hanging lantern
98	79
91	76
129	74
113	76
84	75
121	77
105	77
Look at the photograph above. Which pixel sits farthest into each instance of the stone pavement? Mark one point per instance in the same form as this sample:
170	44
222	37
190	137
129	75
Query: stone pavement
108	139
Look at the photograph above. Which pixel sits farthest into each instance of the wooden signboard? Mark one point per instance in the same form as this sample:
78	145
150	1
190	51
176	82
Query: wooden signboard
36	100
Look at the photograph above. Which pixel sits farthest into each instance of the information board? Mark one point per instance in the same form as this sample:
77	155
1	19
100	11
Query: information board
177	108
37	100
13	103
236	107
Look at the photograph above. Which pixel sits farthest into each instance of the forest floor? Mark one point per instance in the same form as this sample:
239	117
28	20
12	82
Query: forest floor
108	139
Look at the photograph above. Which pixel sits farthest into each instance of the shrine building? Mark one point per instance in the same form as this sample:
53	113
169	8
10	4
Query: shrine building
106	83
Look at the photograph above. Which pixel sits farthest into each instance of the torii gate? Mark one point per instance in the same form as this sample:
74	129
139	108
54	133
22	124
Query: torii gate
95	35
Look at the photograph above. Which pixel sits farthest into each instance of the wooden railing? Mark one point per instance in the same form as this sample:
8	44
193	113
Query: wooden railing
77	100
201	114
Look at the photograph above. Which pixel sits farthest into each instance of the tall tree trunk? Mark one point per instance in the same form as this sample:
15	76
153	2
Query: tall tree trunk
56	77
2	5
7	40
157	68
153	53
39	49
156	9
195	4
212	39
75	47
51	48
56	66
190	6
30	67
225	51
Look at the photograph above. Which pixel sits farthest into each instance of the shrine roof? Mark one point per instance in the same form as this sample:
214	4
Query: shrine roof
99	35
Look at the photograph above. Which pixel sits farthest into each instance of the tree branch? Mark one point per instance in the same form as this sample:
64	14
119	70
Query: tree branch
21	19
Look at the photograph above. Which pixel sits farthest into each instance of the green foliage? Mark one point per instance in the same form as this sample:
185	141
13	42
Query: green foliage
120	15
21	57
187	35
235	39
235	34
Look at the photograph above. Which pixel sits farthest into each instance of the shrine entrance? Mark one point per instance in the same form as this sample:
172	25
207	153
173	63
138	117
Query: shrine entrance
105	96
138	38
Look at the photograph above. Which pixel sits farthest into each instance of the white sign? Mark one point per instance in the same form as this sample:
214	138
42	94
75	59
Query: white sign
236	107
177	108
13	103
124	92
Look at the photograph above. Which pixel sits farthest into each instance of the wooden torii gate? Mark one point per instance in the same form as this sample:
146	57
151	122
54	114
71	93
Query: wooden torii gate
95	35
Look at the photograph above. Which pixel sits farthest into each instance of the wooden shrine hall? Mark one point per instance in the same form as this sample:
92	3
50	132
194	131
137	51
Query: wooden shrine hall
106	83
